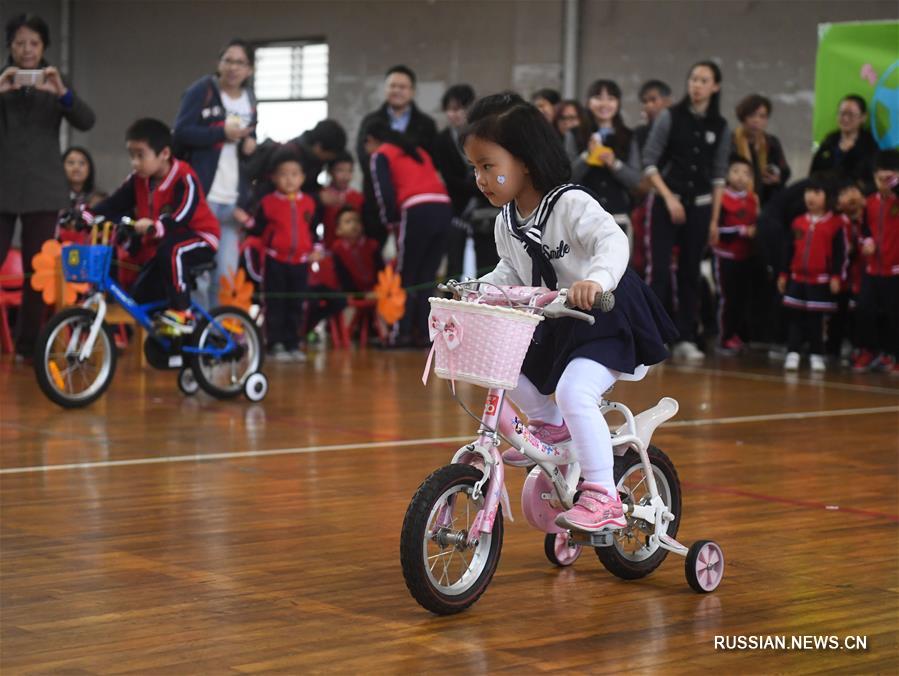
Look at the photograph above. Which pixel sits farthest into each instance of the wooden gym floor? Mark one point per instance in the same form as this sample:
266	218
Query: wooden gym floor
153	533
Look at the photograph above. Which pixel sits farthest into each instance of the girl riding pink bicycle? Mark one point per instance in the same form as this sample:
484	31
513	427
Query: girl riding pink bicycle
554	238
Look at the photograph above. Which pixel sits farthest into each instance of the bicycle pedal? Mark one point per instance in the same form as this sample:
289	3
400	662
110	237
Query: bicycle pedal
603	539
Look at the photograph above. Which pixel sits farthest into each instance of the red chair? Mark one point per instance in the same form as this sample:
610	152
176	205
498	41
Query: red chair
365	315
12	279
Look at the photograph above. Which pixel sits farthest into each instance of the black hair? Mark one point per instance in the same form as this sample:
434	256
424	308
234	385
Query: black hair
749	104
462	94
509	121
714	109
346	209
88	186
550	95
340	158
826	183
403	70
328	134
844	182
154	133
621	141
283	155
661	87
887	160
30	21
380	130
247	48
858	100
738	159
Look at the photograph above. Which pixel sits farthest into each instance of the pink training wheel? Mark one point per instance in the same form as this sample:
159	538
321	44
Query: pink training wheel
559	550
704	566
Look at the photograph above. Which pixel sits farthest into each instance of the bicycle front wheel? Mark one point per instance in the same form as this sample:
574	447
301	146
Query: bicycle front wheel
63	376
443	572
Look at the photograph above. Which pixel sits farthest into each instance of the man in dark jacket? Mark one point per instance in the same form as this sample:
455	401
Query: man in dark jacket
398	110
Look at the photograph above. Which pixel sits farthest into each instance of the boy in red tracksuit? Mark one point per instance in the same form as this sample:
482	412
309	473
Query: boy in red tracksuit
878	302
815	269
733	250
284	220
178	230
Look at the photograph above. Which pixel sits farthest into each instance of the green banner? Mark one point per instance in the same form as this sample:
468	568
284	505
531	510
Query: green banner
858	58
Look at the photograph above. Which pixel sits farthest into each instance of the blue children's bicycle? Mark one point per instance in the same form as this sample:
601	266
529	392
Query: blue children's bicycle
75	357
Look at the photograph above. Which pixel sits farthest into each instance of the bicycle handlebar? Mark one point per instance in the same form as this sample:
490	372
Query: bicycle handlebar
556	302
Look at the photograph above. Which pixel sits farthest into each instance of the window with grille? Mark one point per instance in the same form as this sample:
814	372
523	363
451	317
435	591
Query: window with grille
291	84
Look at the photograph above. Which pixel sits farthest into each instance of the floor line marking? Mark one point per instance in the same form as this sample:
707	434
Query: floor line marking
203	457
785	379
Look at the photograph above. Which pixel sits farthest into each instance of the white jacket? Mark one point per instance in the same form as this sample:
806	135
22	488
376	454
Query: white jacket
581	239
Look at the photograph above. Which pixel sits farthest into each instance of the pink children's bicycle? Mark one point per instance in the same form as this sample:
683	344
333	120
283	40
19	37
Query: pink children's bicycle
453	530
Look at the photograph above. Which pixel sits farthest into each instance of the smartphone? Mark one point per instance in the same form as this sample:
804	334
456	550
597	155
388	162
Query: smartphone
29	78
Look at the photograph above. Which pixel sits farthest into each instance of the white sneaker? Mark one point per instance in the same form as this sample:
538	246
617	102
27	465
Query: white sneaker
818	364
278	353
791	363
687	351
298	356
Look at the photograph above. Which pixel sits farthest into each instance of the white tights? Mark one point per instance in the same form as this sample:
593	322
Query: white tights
578	394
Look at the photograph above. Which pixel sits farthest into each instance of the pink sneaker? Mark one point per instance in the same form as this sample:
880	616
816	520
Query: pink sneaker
548	434
595	510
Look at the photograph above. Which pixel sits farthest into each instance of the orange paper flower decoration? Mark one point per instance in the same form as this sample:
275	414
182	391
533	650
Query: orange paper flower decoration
391	296
45	264
236	290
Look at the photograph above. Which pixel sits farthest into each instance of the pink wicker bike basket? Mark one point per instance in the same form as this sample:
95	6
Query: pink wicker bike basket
480	344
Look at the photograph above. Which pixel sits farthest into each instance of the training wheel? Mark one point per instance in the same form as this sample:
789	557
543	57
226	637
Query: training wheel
558	549
256	386
704	566
187	382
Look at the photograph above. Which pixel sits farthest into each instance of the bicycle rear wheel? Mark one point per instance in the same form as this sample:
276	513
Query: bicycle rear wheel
223	376
632	555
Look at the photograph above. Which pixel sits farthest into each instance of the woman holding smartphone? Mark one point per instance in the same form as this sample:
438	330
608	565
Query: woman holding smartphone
215	130
34	99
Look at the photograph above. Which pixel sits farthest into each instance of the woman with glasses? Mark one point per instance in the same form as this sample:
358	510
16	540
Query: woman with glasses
572	117
214	130
850	150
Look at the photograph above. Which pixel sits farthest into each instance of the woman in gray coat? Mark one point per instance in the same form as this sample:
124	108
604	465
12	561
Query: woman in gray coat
33	185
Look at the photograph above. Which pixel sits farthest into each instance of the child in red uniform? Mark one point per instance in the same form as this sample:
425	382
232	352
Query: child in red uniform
733	249
358	258
284	220
413	203
178	229
338	194
843	325
878	302
815	267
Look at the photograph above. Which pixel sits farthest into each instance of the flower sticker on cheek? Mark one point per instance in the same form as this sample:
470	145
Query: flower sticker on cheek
501	179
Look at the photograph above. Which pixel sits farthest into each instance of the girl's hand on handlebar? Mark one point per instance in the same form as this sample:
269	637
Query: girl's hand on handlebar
582	294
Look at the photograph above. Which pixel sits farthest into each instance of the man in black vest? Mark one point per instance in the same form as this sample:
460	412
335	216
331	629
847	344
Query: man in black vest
401	113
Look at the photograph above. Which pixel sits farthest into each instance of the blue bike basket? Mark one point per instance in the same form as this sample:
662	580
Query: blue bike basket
82	263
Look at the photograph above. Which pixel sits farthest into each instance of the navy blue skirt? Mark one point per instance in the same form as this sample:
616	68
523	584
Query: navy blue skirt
809	297
634	332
